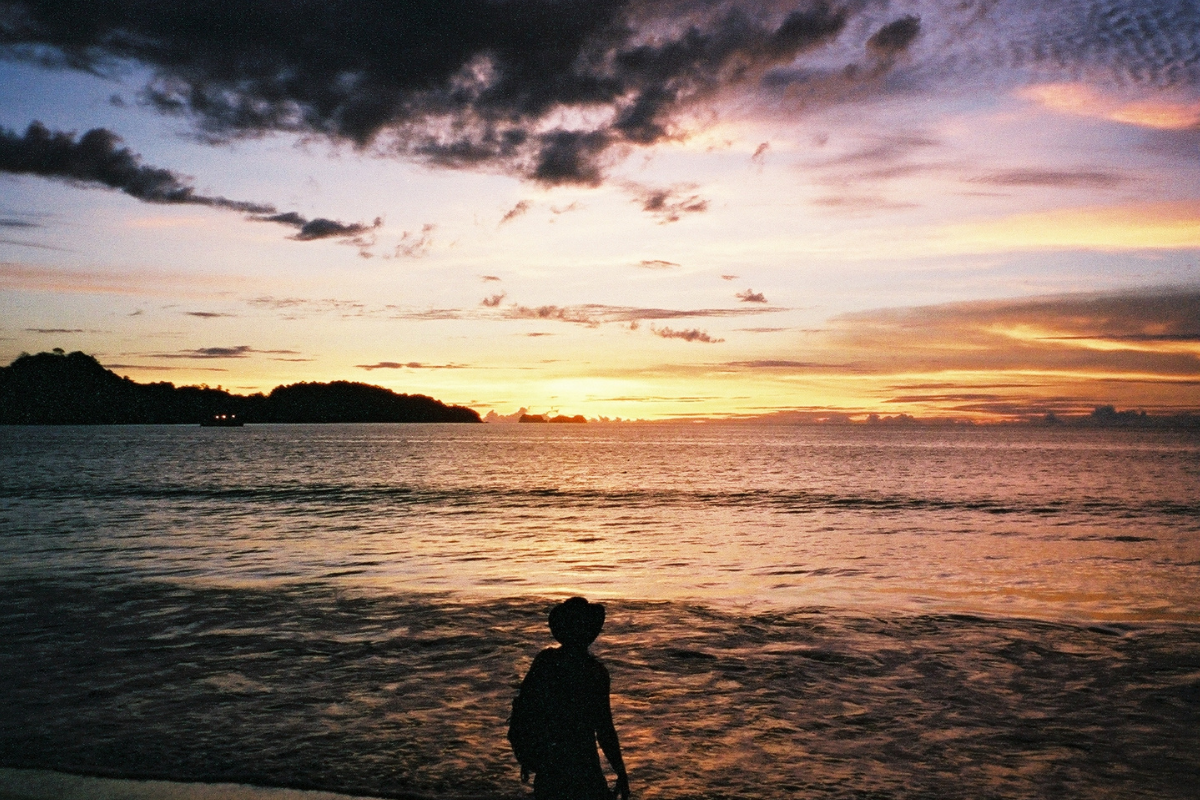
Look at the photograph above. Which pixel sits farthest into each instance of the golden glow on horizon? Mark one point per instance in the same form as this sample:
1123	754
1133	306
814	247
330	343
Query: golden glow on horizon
923	393
1151	226
1147	344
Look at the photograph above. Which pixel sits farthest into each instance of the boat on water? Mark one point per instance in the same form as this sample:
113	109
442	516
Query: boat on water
222	421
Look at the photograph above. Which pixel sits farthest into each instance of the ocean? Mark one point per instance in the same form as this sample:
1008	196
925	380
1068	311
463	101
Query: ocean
812	612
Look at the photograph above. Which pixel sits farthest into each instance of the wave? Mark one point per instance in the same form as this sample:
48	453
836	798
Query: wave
385	496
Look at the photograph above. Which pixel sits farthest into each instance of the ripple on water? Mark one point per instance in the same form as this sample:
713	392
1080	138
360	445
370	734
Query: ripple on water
316	687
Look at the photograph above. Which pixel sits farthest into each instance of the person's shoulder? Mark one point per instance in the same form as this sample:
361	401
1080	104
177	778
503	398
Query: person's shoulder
546	658
596	667
543	663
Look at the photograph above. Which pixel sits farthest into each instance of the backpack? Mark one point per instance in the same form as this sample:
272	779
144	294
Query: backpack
525	734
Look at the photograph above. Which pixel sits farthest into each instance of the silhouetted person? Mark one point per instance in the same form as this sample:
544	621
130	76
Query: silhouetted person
562	711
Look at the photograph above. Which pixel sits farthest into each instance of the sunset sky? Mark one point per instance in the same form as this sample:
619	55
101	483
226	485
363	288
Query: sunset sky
691	208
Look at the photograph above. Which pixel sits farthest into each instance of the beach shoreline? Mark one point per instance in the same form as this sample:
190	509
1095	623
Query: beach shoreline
40	784
43	784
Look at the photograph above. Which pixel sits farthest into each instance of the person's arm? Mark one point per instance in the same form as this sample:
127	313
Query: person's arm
606	735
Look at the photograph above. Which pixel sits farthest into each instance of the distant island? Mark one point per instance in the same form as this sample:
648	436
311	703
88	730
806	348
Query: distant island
75	389
577	419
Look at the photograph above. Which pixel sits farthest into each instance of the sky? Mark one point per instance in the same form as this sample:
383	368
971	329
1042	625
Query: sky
642	210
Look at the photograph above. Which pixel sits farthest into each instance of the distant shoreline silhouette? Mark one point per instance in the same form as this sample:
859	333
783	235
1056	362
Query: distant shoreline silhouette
538	418
562	711
75	389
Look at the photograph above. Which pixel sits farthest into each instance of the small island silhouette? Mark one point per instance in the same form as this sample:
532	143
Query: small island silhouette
577	419
75	389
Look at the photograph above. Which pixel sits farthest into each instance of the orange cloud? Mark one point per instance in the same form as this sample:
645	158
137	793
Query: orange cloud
1139	336
987	361
1081	100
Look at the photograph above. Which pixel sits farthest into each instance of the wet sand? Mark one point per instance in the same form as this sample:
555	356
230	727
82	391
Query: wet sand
37	784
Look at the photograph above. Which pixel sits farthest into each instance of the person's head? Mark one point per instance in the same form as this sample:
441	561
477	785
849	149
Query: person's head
576	622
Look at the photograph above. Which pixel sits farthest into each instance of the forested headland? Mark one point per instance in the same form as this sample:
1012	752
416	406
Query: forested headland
75	389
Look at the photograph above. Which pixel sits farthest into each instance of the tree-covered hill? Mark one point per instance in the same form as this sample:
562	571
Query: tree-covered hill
75	389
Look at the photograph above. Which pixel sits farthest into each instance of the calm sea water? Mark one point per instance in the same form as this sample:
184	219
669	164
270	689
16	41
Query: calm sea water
811	612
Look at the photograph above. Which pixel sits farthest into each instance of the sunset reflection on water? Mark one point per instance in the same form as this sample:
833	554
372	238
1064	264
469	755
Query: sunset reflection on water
1026	522
816	612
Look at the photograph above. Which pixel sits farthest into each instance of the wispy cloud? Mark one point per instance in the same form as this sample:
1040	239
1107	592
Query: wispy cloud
240	351
1056	179
162	368
858	180
298	307
595	314
517	210
657	263
208	314
859	204
416	245
584	315
882	156
407	365
237	351
428	314
667	204
783	364
687	335
34	245
751	296
26	277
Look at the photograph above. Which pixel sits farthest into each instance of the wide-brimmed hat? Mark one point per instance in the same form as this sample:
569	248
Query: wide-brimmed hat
576	621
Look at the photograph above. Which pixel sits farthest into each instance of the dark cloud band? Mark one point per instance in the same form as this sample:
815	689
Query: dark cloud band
484	83
97	158
459	82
